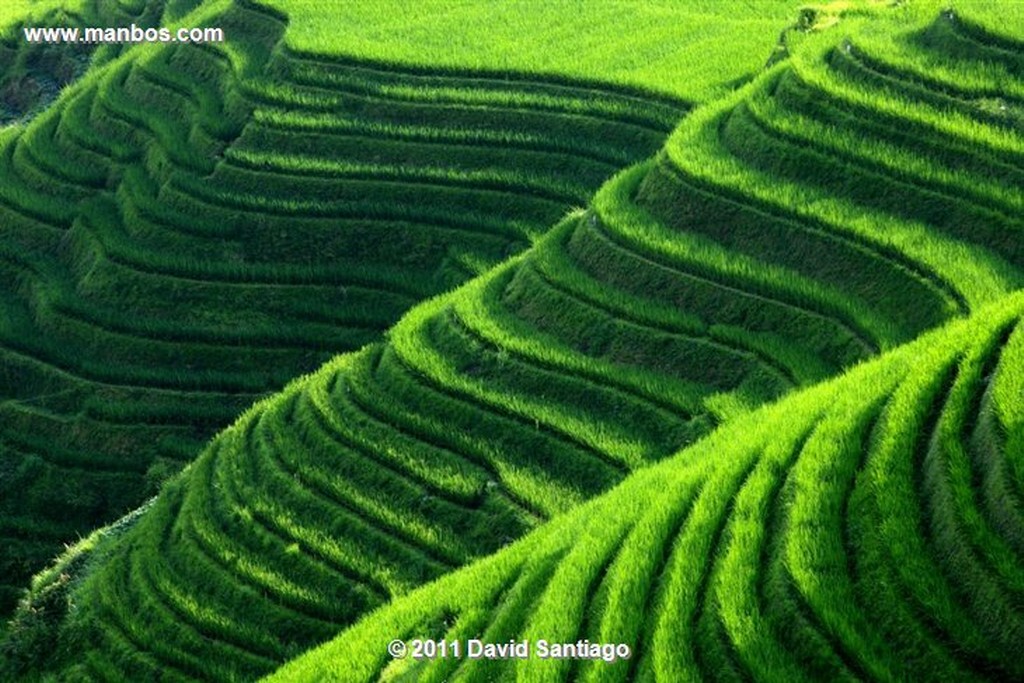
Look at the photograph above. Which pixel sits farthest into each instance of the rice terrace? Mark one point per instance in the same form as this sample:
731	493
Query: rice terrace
482	340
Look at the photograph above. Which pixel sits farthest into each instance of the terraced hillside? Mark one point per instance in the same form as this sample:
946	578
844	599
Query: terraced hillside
191	226
689	293
867	528
693	51
890	177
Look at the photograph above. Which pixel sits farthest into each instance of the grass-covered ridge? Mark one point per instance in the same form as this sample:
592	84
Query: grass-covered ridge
867	528
189	227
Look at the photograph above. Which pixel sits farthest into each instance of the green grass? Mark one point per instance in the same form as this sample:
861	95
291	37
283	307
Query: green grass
530	419
15	10
254	229
762	547
662	47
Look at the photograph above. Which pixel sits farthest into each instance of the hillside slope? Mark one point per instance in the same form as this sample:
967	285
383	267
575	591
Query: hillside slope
870	528
692	51
686	295
191	226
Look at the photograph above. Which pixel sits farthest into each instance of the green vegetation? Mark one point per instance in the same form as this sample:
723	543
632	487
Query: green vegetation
27	12
691	50
33	74
189	227
837	534
755	411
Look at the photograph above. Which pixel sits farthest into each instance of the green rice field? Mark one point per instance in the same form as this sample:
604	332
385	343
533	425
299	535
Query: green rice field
472	341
